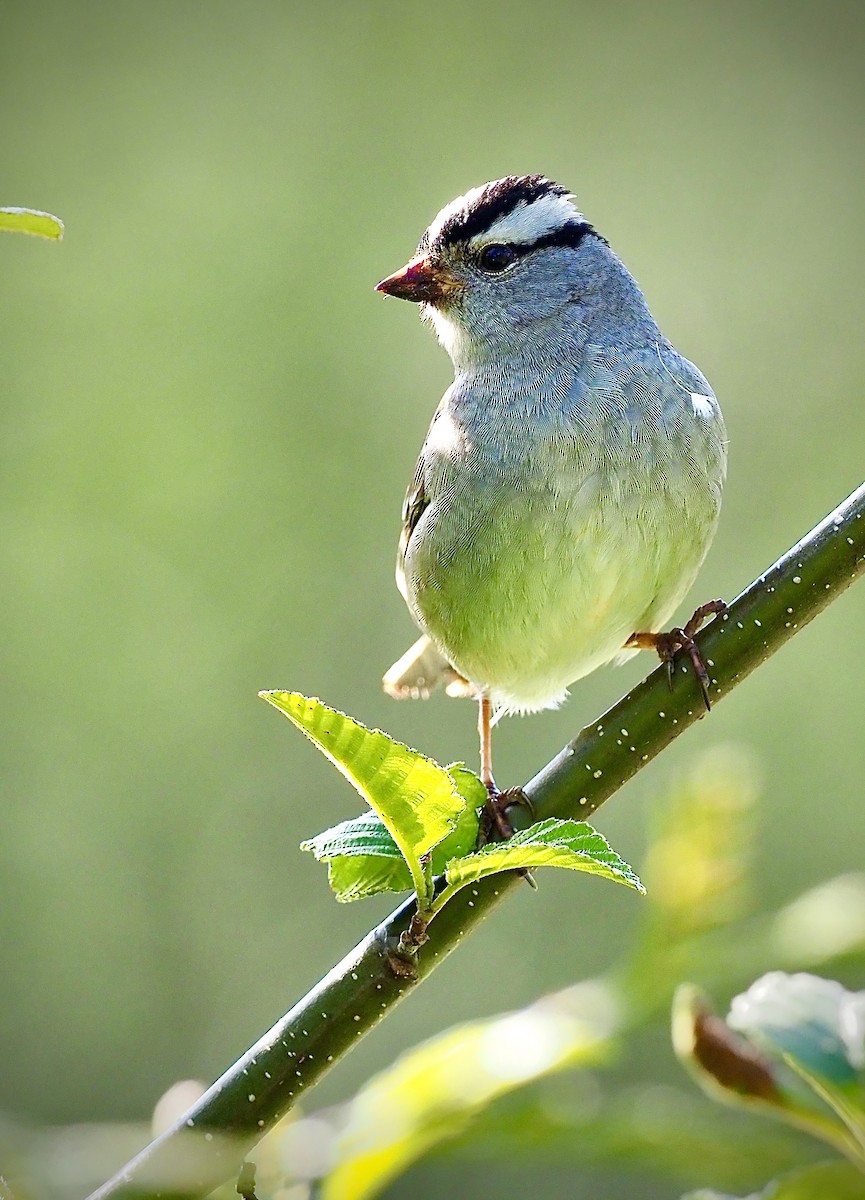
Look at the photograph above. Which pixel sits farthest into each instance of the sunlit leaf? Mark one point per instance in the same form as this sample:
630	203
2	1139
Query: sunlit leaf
363	859
570	844
416	798
432	1093
30	220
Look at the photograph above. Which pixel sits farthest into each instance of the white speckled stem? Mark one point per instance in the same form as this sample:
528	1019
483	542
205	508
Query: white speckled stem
210	1142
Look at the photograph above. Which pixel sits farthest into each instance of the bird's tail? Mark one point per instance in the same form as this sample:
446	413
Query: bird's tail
420	671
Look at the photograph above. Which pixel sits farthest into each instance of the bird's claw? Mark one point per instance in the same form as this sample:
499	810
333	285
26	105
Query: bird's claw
495	818
681	637
495	823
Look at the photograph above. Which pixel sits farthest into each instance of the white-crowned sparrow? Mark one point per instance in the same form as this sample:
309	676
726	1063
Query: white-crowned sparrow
570	482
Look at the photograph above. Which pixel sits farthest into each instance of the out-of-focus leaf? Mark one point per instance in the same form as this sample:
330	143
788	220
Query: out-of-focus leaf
696	872
724	1063
704	1195
824	923
571	844
363	859
416	798
816	1028
30	220
815	1021
821	1181
780	1050
434	1091
696	868
587	1120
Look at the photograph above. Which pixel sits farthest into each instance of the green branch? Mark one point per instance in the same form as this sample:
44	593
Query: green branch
207	1146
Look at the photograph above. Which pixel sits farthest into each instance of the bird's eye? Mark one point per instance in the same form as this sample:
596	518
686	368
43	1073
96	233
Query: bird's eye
497	258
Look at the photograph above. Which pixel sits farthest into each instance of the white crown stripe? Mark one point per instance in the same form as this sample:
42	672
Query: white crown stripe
528	222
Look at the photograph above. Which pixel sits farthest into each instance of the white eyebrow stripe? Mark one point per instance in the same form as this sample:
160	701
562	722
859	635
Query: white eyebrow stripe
528	222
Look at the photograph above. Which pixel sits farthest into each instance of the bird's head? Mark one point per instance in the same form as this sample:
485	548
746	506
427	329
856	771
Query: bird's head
497	263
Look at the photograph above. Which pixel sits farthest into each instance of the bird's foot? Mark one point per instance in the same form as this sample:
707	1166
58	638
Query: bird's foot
495	823
681	637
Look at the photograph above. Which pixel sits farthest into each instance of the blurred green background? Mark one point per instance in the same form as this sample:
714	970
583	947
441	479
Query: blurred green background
209	419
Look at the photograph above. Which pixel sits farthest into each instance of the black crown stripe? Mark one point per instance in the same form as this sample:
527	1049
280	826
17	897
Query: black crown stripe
496	201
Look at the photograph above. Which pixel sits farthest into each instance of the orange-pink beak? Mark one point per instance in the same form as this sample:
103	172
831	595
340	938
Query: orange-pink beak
420	281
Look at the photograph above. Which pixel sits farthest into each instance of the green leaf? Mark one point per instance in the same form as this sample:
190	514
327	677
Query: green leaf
815	1028
814	1021
416	798
363	859
435	1090
821	1181
465	834
551	843
363	835
838	1180
782	1050
30	220
355	878
825	922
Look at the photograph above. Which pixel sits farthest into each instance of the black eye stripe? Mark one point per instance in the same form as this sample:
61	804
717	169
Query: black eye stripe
571	234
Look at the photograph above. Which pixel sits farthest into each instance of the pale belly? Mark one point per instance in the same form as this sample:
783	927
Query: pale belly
526	589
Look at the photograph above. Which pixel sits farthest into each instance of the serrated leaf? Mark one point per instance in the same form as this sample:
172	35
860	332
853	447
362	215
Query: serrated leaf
464	836
570	844
363	835
416	798
30	220
432	1093
363	859
355	878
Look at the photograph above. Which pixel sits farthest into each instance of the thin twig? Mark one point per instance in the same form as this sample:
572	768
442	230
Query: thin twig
288	1060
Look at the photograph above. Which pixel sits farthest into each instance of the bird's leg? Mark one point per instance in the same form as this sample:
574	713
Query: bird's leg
681	637
494	816
485	734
